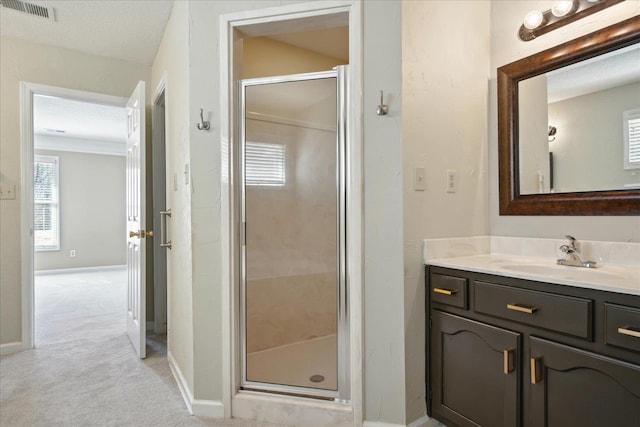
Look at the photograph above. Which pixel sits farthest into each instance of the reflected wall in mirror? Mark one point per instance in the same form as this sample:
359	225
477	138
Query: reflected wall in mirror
590	104
589	90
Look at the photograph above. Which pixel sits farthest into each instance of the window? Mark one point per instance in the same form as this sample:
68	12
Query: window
46	222
631	120
264	164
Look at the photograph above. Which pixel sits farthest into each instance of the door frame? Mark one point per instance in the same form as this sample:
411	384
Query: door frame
160	285
263	22
27	91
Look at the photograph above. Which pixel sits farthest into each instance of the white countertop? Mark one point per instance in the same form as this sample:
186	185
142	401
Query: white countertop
613	278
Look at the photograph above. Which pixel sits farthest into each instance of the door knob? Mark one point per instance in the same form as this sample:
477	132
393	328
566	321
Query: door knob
141	234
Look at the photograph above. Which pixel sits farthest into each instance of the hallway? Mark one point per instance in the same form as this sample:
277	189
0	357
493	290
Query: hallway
84	371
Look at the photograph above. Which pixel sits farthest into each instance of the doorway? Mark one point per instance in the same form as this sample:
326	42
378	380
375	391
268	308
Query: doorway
40	219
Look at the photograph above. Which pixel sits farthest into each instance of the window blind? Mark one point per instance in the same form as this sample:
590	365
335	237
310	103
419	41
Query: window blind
265	164
633	134
46	227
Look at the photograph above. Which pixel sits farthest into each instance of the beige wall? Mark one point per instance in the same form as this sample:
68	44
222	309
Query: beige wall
534	136
589	150
506	17
92	206
22	61
266	57
445	59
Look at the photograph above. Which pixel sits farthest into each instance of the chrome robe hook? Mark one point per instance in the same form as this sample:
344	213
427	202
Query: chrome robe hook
382	109
203	125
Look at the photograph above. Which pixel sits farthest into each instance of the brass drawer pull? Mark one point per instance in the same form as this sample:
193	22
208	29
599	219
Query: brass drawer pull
535	379
632	332
508	366
445	291
516	307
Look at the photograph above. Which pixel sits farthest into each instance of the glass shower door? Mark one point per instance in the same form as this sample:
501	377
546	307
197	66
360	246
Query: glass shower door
293	287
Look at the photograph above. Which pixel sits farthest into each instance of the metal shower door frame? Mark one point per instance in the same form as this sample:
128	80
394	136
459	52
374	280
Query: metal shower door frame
343	393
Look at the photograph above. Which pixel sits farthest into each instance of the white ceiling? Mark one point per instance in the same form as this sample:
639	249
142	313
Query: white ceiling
130	30
78	119
614	69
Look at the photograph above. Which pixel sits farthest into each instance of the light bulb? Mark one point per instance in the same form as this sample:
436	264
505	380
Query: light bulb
561	8
533	19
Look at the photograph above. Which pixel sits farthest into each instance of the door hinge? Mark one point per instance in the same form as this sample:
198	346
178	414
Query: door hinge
430	323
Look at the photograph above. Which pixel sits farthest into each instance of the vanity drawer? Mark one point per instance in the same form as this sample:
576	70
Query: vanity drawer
559	313
622	326
449	290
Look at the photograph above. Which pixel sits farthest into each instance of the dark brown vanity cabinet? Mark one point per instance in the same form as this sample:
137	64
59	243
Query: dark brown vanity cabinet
578	388
476	366
510	352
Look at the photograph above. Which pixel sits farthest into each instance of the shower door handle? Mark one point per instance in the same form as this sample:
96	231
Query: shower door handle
163	229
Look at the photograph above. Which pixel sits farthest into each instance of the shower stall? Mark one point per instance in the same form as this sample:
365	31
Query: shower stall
293	315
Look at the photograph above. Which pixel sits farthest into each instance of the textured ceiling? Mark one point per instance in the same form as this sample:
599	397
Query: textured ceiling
129	30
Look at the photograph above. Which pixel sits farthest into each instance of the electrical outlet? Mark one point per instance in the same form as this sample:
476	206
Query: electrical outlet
419	183
7	192
72	253
452	181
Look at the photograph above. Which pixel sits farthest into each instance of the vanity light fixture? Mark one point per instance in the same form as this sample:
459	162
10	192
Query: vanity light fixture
552	133
561	13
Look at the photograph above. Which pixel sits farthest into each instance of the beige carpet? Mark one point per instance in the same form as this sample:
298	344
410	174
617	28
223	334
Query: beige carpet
84	371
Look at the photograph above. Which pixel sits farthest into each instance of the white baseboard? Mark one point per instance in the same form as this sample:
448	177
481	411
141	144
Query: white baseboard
181	381
10	347
420	422
80	269
208	408
197	407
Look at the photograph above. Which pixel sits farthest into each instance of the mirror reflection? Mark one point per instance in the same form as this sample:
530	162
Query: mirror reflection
579	126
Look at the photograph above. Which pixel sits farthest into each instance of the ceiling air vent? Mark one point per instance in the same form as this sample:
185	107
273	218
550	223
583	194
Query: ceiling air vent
33	9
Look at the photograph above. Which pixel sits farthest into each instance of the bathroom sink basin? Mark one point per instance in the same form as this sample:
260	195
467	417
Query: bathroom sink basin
564	272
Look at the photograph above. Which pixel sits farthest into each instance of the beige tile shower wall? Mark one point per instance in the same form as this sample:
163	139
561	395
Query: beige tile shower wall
290	230
291	241
289	309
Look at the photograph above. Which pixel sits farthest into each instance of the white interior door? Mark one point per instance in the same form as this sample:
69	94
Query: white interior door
136	233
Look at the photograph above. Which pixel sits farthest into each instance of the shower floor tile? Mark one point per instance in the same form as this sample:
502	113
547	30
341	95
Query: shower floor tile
295	364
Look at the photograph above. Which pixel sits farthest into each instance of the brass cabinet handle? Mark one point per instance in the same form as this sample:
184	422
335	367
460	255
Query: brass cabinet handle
628	330
522	309
535	378
508	366
445	291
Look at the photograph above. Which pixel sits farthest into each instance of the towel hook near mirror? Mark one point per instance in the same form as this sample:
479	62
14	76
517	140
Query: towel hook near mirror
382	109
203	125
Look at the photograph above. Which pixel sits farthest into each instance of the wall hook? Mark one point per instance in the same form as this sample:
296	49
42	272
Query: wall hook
382	109
203	125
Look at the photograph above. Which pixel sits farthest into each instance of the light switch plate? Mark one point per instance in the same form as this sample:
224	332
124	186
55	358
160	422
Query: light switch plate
7	192
419	183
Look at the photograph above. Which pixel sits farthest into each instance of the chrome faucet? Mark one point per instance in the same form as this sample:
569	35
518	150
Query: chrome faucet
573	257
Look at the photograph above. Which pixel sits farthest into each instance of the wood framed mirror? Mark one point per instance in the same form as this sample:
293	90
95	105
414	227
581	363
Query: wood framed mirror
524	189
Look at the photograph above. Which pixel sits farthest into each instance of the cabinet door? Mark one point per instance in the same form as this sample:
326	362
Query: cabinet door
475	372
582	389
